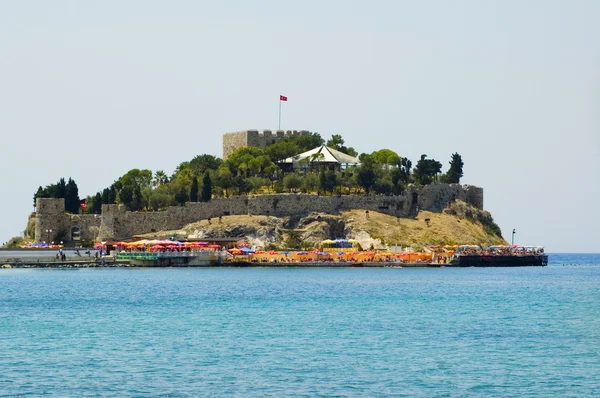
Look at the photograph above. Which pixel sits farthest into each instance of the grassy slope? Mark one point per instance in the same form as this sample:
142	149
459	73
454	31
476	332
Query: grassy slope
443	229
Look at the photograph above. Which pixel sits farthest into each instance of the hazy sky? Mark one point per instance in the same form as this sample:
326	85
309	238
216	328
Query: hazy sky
92	89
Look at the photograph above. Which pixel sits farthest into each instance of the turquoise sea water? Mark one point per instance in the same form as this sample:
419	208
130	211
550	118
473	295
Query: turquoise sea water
303	332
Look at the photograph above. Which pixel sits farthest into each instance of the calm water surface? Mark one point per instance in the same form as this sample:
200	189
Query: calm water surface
303	332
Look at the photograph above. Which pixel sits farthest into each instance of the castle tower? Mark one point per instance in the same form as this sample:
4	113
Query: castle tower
260	139
51	219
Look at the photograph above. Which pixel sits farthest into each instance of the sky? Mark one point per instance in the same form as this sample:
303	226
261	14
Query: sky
92	89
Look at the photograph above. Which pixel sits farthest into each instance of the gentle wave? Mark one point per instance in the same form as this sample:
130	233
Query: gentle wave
302	332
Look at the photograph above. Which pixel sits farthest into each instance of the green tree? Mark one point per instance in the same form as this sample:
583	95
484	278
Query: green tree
137	202
60	189
181	195
206	187
310	182
272	173
194	190
258	183
137	177
426	170
94	204
327	180
159	198
337	142
383	183
455	173
125	197
385	158
225	179
292	182
111	195
72	197
282	149
202	163
366	173
160	178
242	184
39	194
308	142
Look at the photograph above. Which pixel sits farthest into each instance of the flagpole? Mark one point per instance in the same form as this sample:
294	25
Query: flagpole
279	126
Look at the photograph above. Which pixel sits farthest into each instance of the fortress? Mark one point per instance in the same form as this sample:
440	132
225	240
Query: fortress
117	223
239	139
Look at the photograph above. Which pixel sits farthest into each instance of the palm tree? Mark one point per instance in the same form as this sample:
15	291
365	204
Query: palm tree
160	178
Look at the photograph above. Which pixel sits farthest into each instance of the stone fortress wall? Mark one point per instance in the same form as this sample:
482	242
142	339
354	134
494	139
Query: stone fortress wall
51	219
260	139
118	223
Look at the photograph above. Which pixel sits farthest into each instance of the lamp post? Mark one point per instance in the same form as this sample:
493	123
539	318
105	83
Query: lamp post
48	232
513	237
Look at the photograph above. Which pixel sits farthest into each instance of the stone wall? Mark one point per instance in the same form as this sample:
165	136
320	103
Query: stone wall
436	197
50	215
238	139
474	196
117	223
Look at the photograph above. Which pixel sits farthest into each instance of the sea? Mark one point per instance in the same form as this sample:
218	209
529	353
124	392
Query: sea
302	332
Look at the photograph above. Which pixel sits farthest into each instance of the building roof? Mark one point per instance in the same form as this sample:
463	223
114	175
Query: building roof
323	154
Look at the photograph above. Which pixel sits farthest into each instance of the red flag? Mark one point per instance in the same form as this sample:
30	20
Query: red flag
282	98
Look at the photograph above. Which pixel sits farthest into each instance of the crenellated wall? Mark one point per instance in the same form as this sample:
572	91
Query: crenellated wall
260	139
117	223
51	221
474	196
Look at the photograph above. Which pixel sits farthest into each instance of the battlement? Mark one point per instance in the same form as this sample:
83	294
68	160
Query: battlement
118	223
53	224
258	138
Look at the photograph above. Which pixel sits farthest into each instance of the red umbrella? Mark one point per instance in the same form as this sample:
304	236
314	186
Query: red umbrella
243	245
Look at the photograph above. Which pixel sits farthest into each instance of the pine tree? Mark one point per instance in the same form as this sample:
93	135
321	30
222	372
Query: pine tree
105	195
71	197
181	196
97	205
194	190
61	189
454	174
39	194
206	188
366	174
112	195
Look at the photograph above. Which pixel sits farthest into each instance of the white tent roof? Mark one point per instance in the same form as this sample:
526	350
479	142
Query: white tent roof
323	154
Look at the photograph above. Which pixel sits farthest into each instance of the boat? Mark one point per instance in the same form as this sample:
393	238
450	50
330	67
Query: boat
204	258
499	256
